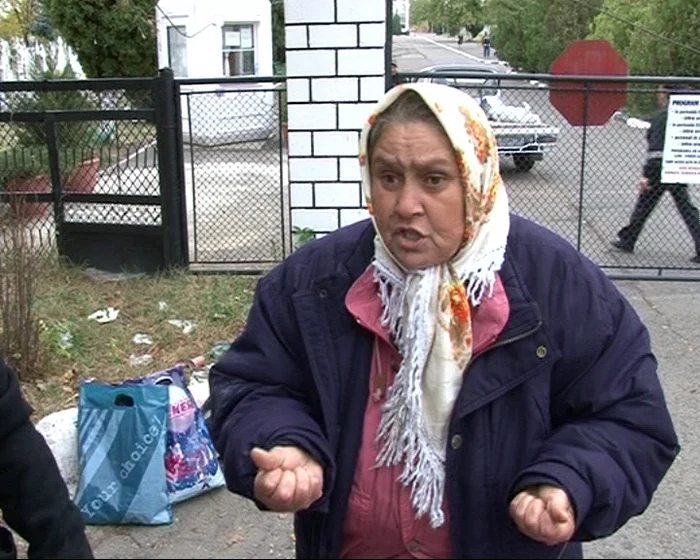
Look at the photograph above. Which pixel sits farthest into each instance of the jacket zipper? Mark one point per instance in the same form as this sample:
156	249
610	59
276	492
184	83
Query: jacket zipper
509	340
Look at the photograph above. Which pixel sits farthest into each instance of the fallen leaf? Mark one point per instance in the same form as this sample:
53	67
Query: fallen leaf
235	539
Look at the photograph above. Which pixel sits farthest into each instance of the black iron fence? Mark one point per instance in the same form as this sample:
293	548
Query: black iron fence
68	169
582	180
155	172
148	173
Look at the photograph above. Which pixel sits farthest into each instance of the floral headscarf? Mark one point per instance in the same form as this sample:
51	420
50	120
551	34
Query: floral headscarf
429	311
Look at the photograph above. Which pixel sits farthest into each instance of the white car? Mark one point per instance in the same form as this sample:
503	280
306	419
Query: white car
520	133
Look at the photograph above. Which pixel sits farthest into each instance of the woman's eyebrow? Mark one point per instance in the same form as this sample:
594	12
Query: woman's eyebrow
419	164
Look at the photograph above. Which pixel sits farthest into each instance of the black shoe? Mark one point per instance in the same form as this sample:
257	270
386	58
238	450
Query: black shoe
622	246
695	259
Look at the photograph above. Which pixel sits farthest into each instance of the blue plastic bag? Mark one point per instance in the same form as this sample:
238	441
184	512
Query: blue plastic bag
121	442
191	463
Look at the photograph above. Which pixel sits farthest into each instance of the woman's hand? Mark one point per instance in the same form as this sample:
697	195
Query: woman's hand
288	479
544	514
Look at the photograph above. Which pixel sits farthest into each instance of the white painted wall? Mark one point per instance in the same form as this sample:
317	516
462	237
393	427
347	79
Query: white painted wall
335	75
204	20
224	113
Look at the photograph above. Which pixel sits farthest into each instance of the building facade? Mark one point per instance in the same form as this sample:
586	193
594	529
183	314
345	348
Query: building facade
210	38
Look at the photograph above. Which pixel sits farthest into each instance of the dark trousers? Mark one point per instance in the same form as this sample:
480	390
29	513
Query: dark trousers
646	203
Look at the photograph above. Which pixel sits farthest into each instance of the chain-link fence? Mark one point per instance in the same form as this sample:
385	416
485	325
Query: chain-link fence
234	166
584	181
77	152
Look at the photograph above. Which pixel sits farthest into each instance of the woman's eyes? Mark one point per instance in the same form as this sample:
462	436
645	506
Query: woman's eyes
389	178
430	181
435	180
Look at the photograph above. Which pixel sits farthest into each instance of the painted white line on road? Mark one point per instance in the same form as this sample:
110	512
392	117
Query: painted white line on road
451	49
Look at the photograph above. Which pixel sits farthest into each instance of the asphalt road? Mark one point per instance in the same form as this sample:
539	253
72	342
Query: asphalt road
596	190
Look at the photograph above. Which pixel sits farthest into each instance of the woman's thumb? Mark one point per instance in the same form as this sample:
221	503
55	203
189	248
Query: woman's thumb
265	460
559	506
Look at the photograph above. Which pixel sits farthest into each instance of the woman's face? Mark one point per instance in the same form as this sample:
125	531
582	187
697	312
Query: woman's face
417	194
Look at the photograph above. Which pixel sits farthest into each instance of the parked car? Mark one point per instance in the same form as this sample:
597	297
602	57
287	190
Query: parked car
520	132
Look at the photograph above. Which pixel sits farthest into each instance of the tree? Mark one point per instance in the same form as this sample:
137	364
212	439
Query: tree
25	28
656	37
396	25
449	15
531	34
421	12
279	45
18	19
109	37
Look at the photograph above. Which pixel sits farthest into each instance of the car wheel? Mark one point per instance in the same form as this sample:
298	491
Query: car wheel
523	163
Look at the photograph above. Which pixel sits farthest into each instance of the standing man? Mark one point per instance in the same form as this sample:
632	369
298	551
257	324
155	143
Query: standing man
395	80
486	43
651	189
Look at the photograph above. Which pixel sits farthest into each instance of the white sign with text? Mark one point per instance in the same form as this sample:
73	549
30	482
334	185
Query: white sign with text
681	158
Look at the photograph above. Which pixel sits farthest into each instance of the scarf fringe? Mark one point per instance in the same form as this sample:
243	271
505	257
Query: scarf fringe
403	434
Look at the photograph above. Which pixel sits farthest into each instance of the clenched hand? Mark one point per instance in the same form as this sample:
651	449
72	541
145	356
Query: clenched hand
544	514
288	479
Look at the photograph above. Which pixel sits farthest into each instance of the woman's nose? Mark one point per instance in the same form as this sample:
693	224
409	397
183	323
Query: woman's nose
409	200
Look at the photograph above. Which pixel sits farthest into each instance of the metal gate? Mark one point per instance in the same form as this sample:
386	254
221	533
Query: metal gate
87	167
582	181
234	172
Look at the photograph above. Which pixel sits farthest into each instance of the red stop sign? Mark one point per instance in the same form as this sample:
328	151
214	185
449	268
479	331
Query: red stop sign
588	58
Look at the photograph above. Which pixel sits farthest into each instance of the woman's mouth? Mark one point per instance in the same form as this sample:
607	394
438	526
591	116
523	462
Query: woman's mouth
409	237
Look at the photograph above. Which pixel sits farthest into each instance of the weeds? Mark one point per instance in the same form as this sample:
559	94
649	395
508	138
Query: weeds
302	235
79	348
20	266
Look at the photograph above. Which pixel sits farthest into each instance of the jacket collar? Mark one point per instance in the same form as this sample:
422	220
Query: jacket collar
524	312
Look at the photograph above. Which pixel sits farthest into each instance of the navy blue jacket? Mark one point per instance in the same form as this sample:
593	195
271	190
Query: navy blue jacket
33	497
567	395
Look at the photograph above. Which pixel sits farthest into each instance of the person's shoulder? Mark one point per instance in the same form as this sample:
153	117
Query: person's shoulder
545	257
348	249
14	409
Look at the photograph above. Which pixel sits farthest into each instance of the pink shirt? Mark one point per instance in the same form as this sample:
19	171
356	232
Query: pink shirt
380	521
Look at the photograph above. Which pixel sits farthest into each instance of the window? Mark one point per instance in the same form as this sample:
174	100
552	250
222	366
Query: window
177	50
238	50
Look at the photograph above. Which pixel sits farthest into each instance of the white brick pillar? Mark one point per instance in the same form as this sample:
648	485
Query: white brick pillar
335	75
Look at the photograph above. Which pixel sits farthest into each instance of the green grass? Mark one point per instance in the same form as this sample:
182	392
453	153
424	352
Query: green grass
217	304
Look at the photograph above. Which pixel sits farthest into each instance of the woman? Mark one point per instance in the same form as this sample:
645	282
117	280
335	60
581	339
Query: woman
445	380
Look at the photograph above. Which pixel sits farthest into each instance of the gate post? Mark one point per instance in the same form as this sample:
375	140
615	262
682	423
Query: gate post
170	170
336	72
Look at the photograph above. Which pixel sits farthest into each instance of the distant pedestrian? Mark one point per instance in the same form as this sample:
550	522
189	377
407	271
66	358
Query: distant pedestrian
486	43
395	79
651	189
461	34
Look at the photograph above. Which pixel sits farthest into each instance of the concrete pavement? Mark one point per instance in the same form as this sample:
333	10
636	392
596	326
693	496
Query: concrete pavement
222	525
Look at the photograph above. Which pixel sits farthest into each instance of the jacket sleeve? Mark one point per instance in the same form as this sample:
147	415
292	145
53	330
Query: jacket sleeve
612	438
33	496
262	394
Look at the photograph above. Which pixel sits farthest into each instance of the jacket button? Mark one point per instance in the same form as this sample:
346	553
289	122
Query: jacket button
323	293
414	546
456	442
541	351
